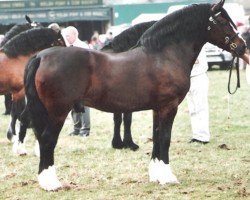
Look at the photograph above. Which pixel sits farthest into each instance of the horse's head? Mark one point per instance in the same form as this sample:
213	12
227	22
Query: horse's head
223	32
32	40
59	41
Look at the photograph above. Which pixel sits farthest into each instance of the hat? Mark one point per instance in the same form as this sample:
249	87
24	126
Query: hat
55	27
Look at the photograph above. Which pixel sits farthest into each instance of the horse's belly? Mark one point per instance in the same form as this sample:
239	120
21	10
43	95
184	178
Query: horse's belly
119	104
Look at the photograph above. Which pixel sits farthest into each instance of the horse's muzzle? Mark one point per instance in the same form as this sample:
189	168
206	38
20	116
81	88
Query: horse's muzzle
240	49
241	52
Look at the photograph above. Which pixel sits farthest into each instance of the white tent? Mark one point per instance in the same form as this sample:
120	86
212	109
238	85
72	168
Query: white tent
145	17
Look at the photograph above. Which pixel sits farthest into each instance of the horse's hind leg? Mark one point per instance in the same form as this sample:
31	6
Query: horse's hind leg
127	140
159	168
47	177
117	141
11	132
7	103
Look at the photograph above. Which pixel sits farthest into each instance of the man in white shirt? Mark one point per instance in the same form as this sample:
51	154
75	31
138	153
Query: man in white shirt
81	119
197	99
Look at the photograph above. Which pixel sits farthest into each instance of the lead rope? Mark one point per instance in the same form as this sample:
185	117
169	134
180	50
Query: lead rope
230	74
228	110
229	82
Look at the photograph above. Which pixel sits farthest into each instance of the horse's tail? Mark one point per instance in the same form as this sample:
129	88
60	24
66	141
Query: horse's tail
35	108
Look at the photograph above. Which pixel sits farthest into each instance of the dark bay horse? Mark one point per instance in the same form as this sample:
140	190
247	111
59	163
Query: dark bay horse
15	30
14	54
154	75
10	34
123	42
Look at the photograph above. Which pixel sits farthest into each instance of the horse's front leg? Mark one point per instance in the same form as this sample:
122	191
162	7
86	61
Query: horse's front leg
117	141
17	108
47	177
24	124
159	167
19	145
127	140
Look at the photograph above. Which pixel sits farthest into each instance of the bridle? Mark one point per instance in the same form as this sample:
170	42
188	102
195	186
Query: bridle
228	40
58	42
232	46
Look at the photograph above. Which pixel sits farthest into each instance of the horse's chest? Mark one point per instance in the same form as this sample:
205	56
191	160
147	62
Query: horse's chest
173	88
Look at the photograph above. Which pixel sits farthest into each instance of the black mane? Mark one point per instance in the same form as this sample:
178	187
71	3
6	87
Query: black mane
30	41
128	38
188	23
14	31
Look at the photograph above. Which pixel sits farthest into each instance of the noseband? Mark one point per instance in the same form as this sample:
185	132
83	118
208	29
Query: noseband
229	40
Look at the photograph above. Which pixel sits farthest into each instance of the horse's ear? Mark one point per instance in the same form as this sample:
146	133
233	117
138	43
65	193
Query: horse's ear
217	7
28	19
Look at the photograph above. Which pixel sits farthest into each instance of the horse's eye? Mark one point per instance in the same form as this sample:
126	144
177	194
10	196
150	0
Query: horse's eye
222	21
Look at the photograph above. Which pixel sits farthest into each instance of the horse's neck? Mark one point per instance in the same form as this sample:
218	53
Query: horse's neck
12	72
185	53
14	65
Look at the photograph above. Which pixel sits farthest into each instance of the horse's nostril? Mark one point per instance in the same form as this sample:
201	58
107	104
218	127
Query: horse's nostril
241	49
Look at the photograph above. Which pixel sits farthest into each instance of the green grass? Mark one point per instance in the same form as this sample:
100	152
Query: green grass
91	169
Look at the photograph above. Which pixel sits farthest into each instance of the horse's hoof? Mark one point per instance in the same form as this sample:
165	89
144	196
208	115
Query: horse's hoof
131	145
19	148
48	179
117	145
9	135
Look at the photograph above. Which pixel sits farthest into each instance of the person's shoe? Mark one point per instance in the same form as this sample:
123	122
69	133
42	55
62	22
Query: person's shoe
7	112
84	133
197	141
74	133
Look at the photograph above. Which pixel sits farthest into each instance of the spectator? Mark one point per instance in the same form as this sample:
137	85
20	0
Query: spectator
109	38
95	42
248	72
81	119
197	99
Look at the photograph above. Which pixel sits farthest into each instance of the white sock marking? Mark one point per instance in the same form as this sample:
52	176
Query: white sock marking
48	179
19	148
161	172
37	149
152	170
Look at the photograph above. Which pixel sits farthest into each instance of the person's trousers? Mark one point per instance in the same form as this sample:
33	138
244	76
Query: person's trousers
197	99
81	120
